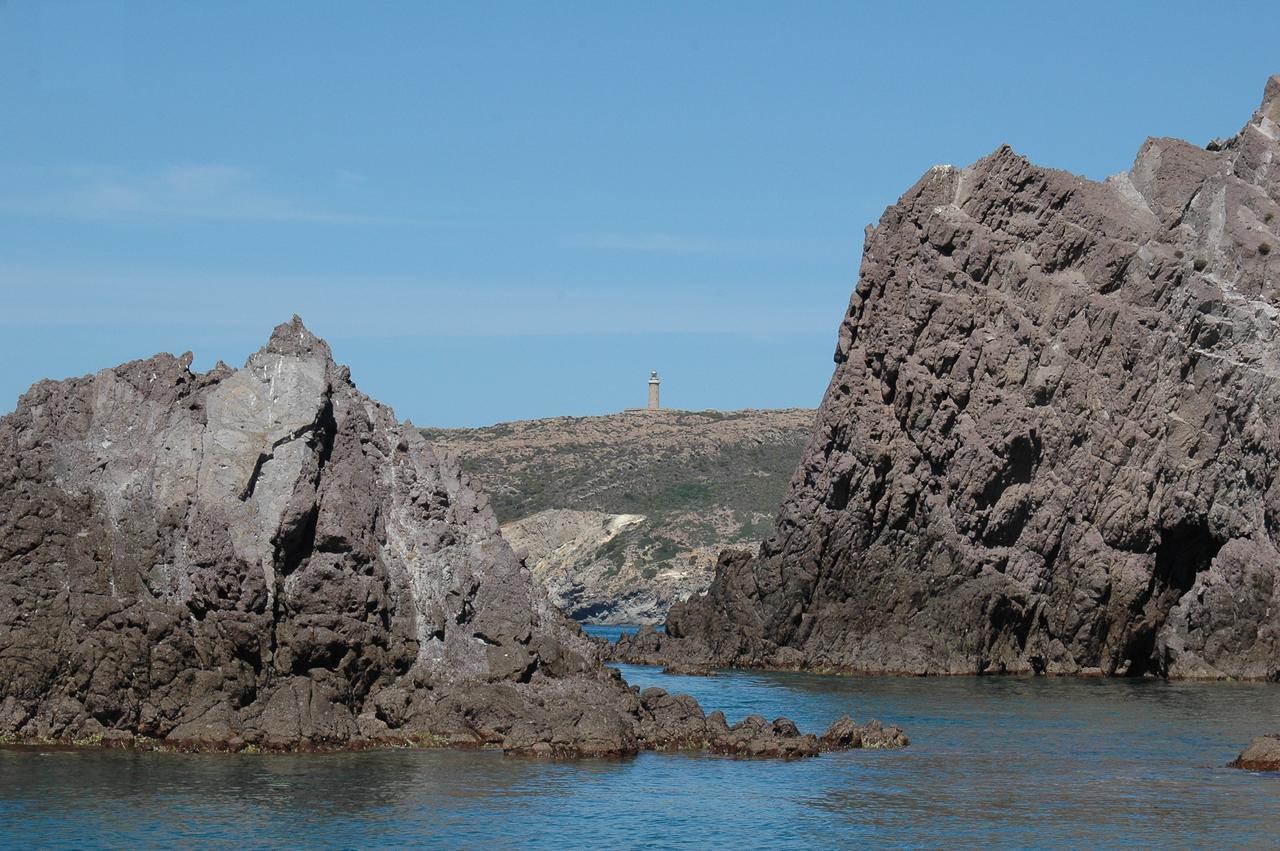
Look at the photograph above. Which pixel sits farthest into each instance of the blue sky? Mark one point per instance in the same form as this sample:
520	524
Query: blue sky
510	210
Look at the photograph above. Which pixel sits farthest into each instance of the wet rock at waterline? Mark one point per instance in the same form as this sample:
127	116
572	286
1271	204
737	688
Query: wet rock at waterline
265	557
1263	754
846	733
1051	440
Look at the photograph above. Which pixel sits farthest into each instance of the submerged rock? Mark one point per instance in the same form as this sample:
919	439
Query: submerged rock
1050	442
1263	754
266	558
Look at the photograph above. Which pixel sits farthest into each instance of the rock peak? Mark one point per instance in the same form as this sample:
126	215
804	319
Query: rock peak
1271	100
293	339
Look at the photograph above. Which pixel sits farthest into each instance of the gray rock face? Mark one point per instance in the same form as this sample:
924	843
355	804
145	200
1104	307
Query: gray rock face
266	557
1052	438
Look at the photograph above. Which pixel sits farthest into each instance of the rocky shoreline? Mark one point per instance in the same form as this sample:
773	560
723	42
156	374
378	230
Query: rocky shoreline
675	723
647	646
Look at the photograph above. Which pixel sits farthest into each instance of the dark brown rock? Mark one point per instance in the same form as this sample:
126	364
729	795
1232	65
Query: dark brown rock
670	722
266	558
1050	442
642	647
1263	754
753	736
845	733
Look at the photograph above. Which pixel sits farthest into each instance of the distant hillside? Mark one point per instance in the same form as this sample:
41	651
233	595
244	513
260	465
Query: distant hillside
623	514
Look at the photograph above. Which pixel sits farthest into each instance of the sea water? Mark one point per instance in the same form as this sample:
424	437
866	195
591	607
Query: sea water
1006	761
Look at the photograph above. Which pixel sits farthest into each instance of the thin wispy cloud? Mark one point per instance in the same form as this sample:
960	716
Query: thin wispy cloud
670	243
655	242
136	297
196	191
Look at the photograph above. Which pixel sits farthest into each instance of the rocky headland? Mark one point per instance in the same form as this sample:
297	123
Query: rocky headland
264	558
1051	441
620	516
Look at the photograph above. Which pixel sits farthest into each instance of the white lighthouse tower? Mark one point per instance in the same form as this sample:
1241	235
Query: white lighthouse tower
654	381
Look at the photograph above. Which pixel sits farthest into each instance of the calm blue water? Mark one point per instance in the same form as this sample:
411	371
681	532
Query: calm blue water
993	761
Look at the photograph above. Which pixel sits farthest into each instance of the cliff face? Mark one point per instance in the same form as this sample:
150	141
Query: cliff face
265	556
603	569
623	515
1052	439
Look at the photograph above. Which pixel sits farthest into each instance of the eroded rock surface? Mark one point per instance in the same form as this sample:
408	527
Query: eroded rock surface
1052	438
265	557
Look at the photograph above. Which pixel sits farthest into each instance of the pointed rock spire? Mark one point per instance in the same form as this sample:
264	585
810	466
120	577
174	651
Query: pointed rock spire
1271	100
292	338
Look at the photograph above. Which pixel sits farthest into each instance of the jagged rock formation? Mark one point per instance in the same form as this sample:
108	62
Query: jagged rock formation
266	557
1052	438
623	515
